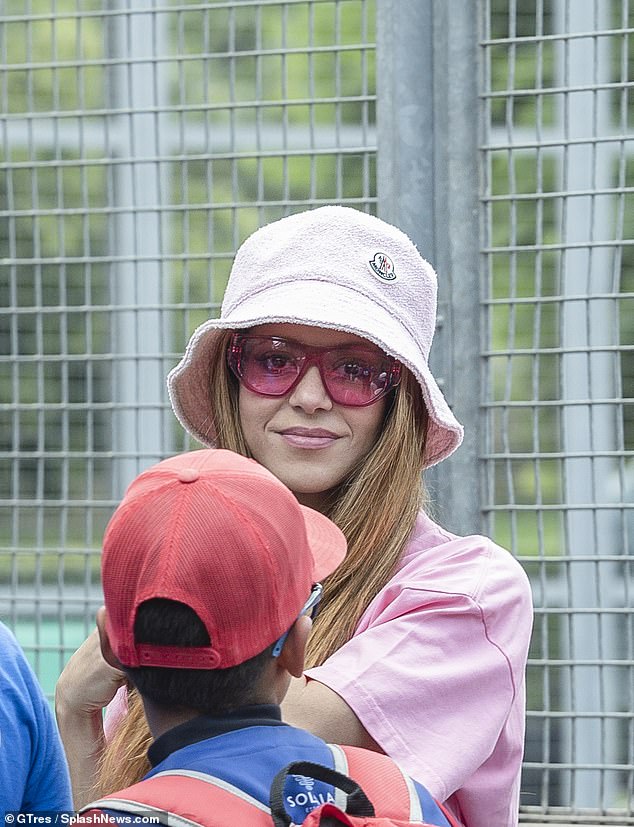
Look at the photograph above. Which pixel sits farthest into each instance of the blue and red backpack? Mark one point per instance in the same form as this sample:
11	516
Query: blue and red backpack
372	792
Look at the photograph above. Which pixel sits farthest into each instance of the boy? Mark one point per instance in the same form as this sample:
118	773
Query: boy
210	572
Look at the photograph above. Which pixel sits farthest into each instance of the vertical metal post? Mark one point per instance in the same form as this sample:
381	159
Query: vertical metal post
405	119
427	171
589	329
139	383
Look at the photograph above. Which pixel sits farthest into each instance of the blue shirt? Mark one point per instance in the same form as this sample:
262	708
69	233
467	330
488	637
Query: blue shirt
33	770
247	748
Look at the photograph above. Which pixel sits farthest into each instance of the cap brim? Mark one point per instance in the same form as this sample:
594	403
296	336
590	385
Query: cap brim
327	543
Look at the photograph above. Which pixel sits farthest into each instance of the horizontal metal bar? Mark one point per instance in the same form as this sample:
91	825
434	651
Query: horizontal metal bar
190	57
183	109
555	455
553	138
513	197
547	715
52	551
488	508
559	351
559	298
557	90
575	611
565	817
569	245
96	309
164	160
554	403
556	37
551	765
623	663
544	559
156	10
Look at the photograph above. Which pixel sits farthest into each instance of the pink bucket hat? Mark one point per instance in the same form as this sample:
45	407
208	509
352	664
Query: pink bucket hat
332	267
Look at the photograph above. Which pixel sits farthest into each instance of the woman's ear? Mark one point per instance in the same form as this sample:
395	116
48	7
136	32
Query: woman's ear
104	641
292	655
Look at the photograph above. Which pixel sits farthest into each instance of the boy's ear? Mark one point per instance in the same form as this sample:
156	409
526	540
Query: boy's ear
292	655
104	641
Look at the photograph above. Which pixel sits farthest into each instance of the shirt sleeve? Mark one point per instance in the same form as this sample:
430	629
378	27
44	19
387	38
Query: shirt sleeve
33	770
433	674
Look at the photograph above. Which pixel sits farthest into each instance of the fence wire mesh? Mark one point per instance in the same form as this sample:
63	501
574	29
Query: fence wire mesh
142	141
558	219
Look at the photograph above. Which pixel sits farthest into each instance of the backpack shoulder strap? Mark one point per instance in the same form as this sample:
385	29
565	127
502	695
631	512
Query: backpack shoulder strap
390	790
185	798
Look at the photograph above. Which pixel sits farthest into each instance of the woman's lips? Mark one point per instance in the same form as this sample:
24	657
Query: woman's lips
308	437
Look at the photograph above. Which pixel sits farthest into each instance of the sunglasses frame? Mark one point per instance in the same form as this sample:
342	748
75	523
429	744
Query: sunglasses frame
311	605
313	356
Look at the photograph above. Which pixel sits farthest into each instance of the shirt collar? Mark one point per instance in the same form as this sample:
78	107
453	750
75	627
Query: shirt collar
208	726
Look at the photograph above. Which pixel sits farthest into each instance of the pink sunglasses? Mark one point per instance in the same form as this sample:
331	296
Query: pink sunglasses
353	375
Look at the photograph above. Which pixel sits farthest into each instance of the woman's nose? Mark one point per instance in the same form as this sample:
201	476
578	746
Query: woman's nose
310	393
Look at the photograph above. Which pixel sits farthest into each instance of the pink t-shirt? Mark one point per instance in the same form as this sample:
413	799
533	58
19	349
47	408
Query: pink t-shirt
435	671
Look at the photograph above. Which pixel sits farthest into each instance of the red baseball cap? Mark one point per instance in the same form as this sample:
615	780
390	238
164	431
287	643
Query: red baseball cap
219	533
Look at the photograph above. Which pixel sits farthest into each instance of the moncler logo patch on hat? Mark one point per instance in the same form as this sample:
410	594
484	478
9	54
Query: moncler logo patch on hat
383	267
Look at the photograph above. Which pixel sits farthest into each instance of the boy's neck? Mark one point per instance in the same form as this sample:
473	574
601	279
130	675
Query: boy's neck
161	720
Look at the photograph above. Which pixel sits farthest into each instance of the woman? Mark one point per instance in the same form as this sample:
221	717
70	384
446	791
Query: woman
318	369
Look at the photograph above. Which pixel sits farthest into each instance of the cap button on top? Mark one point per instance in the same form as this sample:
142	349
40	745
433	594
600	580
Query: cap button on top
188	474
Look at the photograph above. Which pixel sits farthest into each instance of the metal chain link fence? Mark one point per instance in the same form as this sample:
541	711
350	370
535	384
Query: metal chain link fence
141	141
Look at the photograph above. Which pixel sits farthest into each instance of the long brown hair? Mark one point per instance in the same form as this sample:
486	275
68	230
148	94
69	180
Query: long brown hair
375	507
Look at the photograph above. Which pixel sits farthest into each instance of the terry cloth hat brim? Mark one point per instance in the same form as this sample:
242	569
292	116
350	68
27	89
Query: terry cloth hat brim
346	309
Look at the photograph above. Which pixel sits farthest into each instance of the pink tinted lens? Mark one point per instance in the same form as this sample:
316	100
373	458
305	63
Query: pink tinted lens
356	376
270	366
